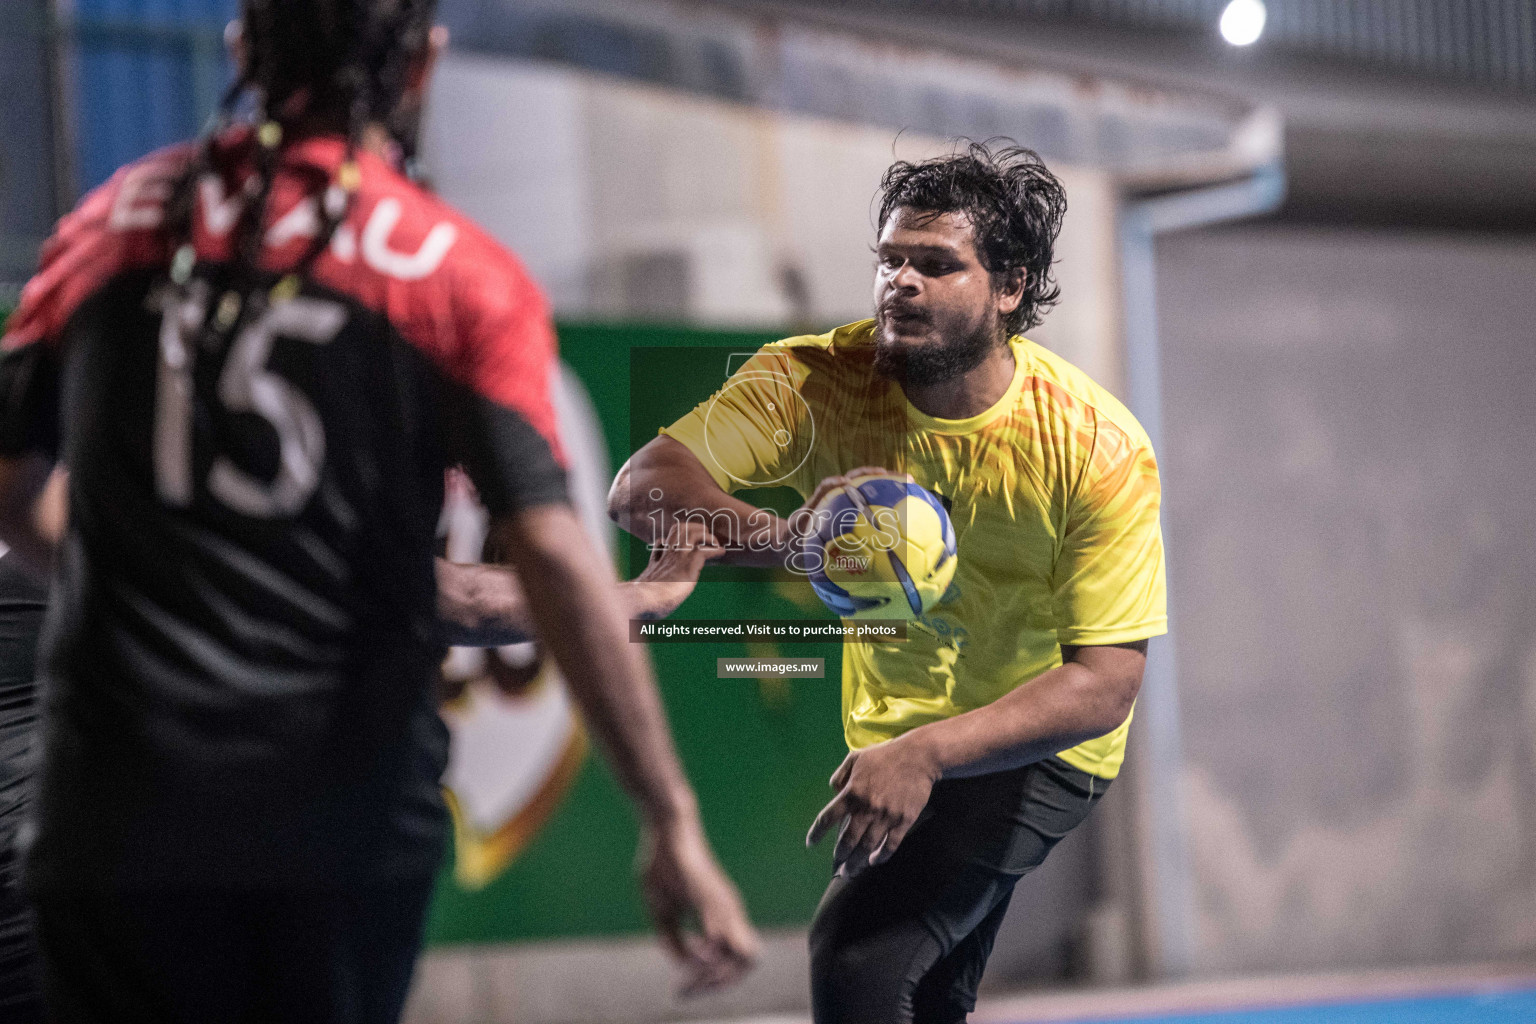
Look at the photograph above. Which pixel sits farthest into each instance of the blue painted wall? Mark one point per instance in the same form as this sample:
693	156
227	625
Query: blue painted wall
147	73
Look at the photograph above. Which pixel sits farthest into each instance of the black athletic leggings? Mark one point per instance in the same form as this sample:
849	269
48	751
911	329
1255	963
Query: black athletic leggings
907	941
21	615
155	956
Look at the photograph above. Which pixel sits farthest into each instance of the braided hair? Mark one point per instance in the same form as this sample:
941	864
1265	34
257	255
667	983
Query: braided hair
310	65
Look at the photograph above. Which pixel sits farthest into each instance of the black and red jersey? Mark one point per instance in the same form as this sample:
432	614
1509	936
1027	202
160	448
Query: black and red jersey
238	668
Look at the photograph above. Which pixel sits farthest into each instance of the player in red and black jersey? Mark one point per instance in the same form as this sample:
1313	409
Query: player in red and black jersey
257	355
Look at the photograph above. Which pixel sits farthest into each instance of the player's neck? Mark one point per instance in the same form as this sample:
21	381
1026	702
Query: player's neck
968	394
377	140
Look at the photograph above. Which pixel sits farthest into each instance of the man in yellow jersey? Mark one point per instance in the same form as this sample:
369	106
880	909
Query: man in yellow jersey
992	731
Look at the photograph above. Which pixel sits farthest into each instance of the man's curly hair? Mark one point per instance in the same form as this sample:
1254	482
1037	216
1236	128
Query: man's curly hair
1014	203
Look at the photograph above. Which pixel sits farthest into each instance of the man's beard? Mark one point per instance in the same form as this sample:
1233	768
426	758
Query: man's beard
924	365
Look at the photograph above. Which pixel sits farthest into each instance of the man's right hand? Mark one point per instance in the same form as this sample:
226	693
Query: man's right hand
682	881
803	520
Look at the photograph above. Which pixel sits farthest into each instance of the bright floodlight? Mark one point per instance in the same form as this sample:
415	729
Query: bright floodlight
1243	21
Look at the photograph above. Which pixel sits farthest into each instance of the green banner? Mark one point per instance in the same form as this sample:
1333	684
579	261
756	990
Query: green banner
758	750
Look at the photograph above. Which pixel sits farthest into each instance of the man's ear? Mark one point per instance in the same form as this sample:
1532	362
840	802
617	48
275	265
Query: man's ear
234	44
1011	292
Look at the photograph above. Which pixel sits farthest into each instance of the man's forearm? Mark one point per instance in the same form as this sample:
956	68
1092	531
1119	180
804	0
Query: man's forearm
484	605
663	483
578	616
1053	712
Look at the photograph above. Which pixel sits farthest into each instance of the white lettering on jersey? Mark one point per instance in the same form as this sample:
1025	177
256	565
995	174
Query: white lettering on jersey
247	384
300	222
220	212
404	266
173	390
140	204
303	221
140	200
344	244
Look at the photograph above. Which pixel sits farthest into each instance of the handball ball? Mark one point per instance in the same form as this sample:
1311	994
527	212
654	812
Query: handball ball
889	556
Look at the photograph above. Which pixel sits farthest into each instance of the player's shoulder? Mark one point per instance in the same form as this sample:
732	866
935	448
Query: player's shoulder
131	201
844	350
134	195
410	233
115	227
1062	389
847	341
443	283
453	292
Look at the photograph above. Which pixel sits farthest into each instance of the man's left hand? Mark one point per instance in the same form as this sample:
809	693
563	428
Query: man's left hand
881	791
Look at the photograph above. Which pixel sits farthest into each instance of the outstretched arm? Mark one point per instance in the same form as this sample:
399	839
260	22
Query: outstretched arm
664	486
483	605
664	483
573	602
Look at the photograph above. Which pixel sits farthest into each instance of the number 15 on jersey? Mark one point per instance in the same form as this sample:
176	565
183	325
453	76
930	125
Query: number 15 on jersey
247	385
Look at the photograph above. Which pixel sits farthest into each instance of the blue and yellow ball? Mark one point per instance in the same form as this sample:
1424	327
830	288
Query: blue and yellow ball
892	558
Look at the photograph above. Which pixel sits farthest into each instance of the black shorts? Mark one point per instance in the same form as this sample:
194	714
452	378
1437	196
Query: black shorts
150	956
908	940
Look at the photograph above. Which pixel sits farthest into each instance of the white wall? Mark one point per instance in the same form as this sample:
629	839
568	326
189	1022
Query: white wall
1350	484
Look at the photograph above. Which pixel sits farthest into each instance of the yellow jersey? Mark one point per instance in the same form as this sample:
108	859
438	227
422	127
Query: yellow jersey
1054	496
